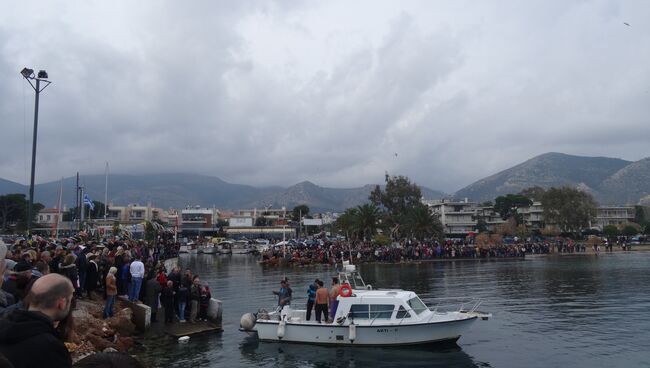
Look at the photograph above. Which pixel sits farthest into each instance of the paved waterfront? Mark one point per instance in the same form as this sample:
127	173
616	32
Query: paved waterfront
580	311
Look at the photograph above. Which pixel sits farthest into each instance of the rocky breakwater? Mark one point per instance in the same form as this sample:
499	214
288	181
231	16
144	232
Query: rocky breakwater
91	333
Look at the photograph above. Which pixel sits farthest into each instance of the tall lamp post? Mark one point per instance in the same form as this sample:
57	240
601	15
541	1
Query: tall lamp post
42	76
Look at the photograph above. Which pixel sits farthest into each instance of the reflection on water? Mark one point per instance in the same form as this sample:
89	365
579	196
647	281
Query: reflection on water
297	355
556	311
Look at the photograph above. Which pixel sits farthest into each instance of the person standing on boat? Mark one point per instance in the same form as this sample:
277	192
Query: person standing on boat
311	298
322	296
334	293
284	294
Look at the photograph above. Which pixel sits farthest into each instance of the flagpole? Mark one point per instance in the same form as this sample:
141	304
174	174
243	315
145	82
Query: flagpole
83	207
106	192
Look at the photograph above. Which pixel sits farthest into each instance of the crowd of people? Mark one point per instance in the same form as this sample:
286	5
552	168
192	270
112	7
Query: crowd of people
42	279
361	251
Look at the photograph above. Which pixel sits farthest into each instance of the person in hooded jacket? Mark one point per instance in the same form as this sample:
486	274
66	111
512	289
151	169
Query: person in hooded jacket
28	338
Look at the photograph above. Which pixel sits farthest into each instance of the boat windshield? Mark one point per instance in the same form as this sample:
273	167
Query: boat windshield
417	305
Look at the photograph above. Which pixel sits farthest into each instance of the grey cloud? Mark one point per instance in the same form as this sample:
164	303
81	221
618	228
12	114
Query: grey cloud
458	90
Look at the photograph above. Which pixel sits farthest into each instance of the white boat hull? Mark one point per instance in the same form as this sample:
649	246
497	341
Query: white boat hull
386	335
209	250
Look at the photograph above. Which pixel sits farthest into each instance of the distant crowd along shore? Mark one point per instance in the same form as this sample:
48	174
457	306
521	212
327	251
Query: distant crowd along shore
365	252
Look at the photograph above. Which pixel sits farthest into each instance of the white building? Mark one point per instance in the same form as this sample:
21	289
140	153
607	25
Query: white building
533	216
613	215
457	217
48	217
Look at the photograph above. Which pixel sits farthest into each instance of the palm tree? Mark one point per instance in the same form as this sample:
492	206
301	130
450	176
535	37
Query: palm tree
367	218
420	222
347	222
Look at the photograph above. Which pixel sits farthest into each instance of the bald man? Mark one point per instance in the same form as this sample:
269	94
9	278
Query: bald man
28	338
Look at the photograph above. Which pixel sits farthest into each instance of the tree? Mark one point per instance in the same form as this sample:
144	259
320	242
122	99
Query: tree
299	210
367	219
568	208
13	211
346	222
420	222
507	205
396	200
630	230
535	193
610	231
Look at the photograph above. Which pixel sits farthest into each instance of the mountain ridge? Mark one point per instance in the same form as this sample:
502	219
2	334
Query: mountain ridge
608	179
181	190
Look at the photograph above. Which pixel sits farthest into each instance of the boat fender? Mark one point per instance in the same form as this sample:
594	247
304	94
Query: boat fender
352	333
346	290
281	329
183	339
247	321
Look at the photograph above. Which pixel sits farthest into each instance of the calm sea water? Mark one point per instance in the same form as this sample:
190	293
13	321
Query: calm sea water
568	311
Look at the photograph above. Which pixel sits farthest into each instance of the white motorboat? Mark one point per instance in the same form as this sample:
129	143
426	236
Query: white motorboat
242	247
210	248
225	247
262	245
184	249
367	317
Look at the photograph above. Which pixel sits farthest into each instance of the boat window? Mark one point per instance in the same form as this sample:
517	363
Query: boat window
402	313
359	311
381	311
417	305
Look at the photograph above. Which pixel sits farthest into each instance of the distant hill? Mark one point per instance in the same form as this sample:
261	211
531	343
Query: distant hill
7	186
628	185
326	198
610	180
180	190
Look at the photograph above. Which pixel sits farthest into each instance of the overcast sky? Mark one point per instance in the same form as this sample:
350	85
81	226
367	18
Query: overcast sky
335	92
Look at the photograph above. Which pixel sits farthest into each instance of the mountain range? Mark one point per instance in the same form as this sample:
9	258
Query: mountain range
181	190
609	180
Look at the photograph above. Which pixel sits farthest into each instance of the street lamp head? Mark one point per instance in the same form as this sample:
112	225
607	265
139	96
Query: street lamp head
42	74
27	73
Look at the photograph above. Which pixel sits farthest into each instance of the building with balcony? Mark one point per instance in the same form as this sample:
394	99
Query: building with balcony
458	218
613	215
533	216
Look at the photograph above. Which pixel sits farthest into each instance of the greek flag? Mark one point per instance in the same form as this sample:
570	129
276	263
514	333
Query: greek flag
88	202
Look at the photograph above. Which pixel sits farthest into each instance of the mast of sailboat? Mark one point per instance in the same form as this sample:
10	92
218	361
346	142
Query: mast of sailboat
106	192
58	210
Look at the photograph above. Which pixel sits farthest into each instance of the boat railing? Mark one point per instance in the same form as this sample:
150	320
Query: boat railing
458	304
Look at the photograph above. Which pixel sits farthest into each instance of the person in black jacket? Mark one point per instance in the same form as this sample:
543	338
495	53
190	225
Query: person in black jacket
28	338
69	270
92	275
167	301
